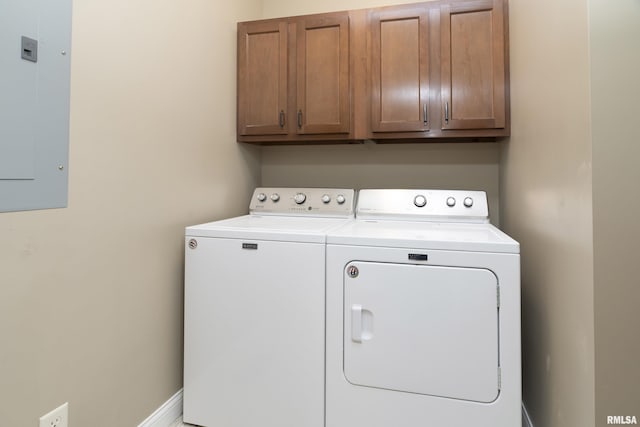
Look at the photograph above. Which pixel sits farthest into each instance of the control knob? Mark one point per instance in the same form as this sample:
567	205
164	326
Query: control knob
420	201
468	202
326	199
451	202
340	199
262	197
275	197
300	198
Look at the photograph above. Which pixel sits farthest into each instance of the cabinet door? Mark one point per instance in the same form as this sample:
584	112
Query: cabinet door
473	65
323	74
400	69
262	78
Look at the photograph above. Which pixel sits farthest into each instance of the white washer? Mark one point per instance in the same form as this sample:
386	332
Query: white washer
254	311
423	314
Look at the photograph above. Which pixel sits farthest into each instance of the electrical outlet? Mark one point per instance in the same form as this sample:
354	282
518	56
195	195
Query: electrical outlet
57	418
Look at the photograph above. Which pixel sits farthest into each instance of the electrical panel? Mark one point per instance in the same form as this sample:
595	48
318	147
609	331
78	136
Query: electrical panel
35	59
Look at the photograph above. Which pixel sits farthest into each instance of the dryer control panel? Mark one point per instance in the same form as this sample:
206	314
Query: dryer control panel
319	202
424	205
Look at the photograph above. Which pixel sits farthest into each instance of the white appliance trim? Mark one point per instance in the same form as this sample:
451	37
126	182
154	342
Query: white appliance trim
526	419
166	414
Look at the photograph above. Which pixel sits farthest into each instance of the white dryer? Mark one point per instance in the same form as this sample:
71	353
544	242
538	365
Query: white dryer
423	314
254	311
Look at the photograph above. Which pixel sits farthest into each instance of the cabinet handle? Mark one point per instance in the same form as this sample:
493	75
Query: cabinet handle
425	114
281	118
299	119
446	112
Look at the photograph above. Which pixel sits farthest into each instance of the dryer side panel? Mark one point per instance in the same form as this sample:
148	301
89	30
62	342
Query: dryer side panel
422	329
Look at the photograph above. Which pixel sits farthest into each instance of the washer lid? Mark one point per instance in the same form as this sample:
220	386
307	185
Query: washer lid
424	235
279	228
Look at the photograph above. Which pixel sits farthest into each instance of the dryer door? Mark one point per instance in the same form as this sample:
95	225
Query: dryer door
422	329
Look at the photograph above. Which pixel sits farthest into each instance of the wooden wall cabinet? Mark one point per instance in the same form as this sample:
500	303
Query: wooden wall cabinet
473	78
399	70
262	78
294	79
439	70
423	71
322	75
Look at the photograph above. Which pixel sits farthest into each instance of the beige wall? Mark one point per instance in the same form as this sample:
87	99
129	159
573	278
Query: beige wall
455	166
546	205
278	8
91	295
615	69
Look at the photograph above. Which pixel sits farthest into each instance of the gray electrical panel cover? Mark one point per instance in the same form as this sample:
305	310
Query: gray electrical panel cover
35	58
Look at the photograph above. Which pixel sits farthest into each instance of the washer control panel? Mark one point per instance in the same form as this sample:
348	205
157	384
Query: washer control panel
425	205
325	202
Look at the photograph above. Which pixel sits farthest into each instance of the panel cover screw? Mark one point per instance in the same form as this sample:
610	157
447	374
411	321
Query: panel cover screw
352	271
193	243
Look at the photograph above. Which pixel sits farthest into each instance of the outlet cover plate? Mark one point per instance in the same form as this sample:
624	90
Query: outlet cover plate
59	417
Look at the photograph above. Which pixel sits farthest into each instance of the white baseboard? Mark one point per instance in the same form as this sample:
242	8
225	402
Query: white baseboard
526	419
165	414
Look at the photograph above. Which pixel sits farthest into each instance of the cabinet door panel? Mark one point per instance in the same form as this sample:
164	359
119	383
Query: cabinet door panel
323	75
400	70
262	78
473	74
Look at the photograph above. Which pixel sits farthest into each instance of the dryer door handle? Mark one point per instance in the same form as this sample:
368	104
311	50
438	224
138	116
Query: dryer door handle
361	324
356	323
